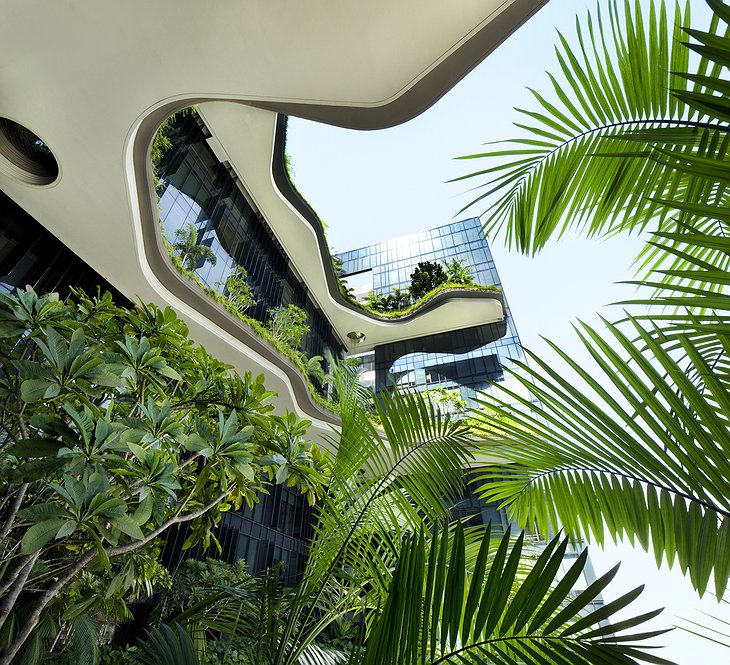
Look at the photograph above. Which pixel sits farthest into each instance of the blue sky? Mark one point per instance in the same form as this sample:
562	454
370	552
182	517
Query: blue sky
368	186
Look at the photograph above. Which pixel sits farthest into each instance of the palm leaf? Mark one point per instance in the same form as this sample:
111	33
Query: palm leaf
627	110
439	612
713	628
647	458
164	646
385	482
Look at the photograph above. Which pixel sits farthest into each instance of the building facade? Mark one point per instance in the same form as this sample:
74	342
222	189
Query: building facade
388	265
195	187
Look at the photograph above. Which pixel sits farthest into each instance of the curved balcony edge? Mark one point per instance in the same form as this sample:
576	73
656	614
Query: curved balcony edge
427	89
288	190
188	291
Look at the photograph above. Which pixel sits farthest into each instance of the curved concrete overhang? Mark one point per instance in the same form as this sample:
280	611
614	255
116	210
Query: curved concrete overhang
460	341
308	214
96	77
250	141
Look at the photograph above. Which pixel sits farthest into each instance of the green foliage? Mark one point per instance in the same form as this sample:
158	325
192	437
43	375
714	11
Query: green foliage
426	277
298	358
458	273
644	465
408	309
161	142
288	166
424	592
288	325
191	252
112	655
314	367
238	291
629	126
224	652
165	646
376	302
439	609
449	401
636	443
481	422
398	300
116	427
194	580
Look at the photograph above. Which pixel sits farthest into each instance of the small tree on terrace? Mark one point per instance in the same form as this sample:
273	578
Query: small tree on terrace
288	324
458	273
446	401
238	290
426	277
191	252
397	300
376	301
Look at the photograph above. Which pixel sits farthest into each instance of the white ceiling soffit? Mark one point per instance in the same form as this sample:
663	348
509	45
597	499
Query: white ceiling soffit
86	75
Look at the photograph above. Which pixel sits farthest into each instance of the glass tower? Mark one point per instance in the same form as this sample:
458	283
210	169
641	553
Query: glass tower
387	266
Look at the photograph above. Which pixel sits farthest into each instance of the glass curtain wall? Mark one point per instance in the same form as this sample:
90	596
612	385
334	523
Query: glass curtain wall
31	256
391	263
194	187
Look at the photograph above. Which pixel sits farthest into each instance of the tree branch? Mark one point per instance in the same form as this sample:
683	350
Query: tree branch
32	619
13	511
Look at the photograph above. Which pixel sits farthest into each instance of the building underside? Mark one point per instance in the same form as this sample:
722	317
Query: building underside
81	102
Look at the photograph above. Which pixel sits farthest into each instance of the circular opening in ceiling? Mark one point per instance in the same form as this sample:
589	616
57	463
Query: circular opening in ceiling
24	155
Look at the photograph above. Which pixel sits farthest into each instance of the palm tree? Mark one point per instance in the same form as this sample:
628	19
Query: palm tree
638	444
426	591
635	122
192	253
441	609
458	273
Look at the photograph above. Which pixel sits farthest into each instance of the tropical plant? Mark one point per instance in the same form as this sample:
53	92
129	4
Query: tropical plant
397	300
449	401
426	277
192	253
288	324
314	367
442	609
423	591
194	579
458	273
633	122
238	291
400	304
713	628
376	301
208	597
115	427
162	143
638	444
164	646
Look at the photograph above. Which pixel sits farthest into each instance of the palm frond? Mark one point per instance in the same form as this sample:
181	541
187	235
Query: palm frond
713	628
317	655
438	611
646	457
164	646
82	640
411	473
384	483
626	111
